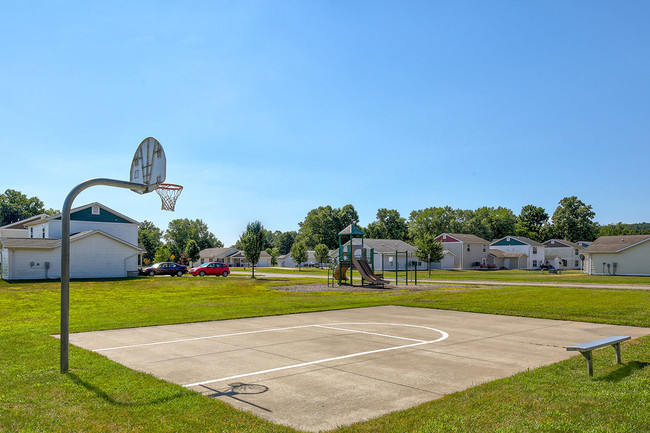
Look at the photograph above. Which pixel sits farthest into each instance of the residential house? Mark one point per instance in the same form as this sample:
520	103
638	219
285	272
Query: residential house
516	252
103	244
563	254
287	261
618	255
232	257
463	251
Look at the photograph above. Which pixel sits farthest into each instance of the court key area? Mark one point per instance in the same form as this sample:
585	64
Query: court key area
318	371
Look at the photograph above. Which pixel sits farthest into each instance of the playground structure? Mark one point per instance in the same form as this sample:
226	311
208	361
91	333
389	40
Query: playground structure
355	257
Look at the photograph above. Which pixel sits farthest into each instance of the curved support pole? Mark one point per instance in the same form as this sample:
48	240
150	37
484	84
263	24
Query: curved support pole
65	255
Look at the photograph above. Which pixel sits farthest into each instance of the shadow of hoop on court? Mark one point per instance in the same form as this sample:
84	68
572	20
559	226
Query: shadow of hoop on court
239	388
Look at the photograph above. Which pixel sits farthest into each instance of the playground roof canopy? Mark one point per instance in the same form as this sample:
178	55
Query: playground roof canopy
351	230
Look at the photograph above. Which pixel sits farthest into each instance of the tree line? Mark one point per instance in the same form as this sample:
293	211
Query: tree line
183	239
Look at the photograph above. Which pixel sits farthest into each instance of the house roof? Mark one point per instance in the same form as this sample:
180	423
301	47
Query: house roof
523	239
218	252
505	255
20	225
553	243
84	207
386	245
615	244
240	254
50	243
466	237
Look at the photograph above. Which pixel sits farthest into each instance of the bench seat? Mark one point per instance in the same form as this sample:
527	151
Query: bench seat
586	348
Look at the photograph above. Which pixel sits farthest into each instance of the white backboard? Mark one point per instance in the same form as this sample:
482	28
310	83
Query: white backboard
149	165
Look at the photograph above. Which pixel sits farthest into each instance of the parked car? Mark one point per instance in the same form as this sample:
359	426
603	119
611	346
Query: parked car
164	268
211	268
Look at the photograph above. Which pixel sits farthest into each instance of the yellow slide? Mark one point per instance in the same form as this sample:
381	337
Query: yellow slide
344	270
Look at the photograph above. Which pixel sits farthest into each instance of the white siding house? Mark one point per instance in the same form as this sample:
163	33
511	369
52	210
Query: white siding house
103	244
618	255
465	251
563	254
518	252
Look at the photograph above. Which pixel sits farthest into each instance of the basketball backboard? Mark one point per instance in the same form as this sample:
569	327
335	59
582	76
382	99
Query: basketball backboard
149	165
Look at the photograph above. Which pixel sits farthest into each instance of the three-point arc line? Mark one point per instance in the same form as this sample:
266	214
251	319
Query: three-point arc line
333	326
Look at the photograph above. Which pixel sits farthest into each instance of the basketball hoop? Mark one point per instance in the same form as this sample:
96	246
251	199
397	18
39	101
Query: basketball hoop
168	193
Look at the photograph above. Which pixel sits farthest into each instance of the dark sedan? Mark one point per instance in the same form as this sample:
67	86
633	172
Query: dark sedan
164	268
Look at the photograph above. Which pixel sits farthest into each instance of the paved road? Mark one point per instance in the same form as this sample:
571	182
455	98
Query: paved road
481	282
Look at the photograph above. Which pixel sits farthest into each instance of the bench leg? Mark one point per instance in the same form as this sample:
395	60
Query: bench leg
590	365
617	348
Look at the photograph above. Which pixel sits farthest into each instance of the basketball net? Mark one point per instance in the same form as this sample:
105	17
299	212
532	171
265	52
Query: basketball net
168	193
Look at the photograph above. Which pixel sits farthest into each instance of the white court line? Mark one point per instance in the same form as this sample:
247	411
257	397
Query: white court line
371	333
200	338
444	335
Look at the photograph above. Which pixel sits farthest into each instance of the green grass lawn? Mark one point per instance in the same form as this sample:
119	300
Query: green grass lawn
567	276
100	395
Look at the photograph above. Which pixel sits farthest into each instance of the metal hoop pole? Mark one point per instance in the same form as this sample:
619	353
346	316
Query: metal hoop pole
65	256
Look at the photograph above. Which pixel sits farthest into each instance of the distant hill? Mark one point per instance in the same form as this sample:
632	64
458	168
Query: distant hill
625	229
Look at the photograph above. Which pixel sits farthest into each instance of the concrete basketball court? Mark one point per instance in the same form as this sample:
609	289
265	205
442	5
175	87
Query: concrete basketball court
318	371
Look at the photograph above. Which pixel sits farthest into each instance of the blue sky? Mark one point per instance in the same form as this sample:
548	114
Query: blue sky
268	109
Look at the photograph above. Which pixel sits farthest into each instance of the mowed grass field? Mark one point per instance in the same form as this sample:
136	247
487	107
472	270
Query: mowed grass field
100	395
567	276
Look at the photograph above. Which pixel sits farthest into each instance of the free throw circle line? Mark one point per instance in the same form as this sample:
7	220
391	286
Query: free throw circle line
443	336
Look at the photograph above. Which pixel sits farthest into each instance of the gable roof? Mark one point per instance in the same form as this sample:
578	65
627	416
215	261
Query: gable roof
21	225
503	254
521	239
552	244
81	215
386	245
218	252
50	243
615	244
466	238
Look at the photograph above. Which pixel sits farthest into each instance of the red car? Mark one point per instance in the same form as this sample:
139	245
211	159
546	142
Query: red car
211	268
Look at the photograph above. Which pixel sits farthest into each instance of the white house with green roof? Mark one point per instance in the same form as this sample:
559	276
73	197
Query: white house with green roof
103	244
517	252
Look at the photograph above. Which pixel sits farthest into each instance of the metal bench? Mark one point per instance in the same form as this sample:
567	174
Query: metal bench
586	348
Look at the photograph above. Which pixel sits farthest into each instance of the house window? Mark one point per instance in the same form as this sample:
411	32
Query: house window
484	248
31	232
577	252
43	232
576	264
95	210
534	250
534	263
468	248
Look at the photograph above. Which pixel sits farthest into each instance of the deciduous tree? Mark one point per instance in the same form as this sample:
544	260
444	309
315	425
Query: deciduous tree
180	231
428	249
299	252
388	225
573	220
16	206
321	252
252	241
149	236
323	224
531	221
192	250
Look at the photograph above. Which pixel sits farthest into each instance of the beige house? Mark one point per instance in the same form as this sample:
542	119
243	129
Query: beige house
618	255
463	251
563	254
232	257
